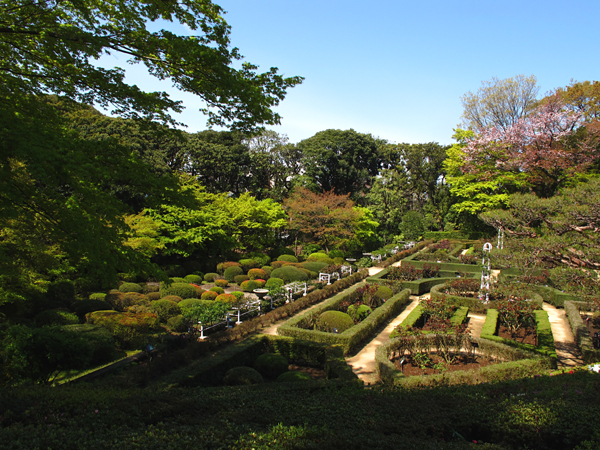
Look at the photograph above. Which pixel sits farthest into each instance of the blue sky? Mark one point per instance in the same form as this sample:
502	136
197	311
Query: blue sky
397	69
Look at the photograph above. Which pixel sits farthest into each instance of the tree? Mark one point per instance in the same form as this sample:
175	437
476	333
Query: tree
499	103
580	97
387	201
327	219
340	161
51	47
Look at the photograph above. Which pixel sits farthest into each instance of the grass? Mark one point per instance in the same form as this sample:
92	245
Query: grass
71	375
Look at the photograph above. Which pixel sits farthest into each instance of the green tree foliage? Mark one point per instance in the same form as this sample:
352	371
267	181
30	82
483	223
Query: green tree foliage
343	162
499	103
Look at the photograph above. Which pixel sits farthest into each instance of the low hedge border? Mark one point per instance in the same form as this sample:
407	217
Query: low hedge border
417	287
403	254
580	331
520	364
352	337
545	337
457	318
439	235
210	370
473	303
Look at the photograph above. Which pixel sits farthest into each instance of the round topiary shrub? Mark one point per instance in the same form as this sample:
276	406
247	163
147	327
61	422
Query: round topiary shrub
293	376
231	272
217	289
268	270
178	324
153	296
190	303
178	280
289	274
249	285
97	296
248	264
260	282
130	287
193	278
359	312
384	293
222	267
183	290
254	274
226	298
288	258
339	261
274	283
314	266
238	295
221	282
209	295
271	365
121	301
83	307
279	264
210	277
330	320
55	317
165	309
172	298
239	279
241	376
320	257
147	288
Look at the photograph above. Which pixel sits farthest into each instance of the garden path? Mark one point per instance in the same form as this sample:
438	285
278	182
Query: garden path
363	363
476	322
564	341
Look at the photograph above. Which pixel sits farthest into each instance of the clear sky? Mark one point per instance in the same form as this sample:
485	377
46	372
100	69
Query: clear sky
397	69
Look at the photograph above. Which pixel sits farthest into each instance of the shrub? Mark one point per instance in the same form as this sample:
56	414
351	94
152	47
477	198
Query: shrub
339	261
126	327
165	309
253	274
261	258
336	254
120	301
55	317
97	296
261	283
268	270
283	251
178	323
218	289
239	279
271	365
330	320
241	376
293	376
147	288
279	264
406	272
83	307
192	278
222	267
358	313
463	287
274	282
249	285
384	293
100	340
315	266
238	295
431	270
209	295
178	280
130	287
183	290
153	296
287	258
209	277
248	264
190	302
320	257
231	272
227	298
221	282
289	274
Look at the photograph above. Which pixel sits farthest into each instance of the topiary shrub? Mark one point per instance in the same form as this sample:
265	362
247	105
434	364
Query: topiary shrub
210	277
283	251
165	309
320	257
249	285
147	288
315	266
336	254
241	376
279	264
260	282
384	293
130	287
274	283
268	270
178	280
293	376
248	264
271	365
193	278
238	295
226	298
359	312
254	274
231	272
97	296
178	324
172	298
339	261
209	295
239	279
288	258
330	320
190	303
289	274
222	267
221	282
183	290
120	301
83	307
217	289
56	317
153	296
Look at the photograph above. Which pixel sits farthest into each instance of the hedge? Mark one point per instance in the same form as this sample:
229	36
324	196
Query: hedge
403	254
459	316
210	370
354	336
580	331
439	235
417	287
521	364
544	334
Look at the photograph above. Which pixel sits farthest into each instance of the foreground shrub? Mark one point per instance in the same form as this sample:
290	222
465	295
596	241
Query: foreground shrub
221	282
293	376
241	376
330	320
227	298
130	287
274	283
249	285
358	312
165	309
209	295
271	365
97	296
178	324
183	290
231	272
289	274
217	289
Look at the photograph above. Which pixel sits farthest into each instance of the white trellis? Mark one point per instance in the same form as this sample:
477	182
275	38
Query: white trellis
375	258
500	238
486	272
346	270
294	288
247	308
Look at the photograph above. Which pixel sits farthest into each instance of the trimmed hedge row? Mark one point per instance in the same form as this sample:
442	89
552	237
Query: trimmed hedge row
439	235
520	364
580	331
544	334
209	371
403	254
459	316
354	336
417	287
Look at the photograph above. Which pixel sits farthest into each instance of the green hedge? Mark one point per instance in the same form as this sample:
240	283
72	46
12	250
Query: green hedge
544	333
354	336
520	364
403	254
580	331
439	235
210	370
459	316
